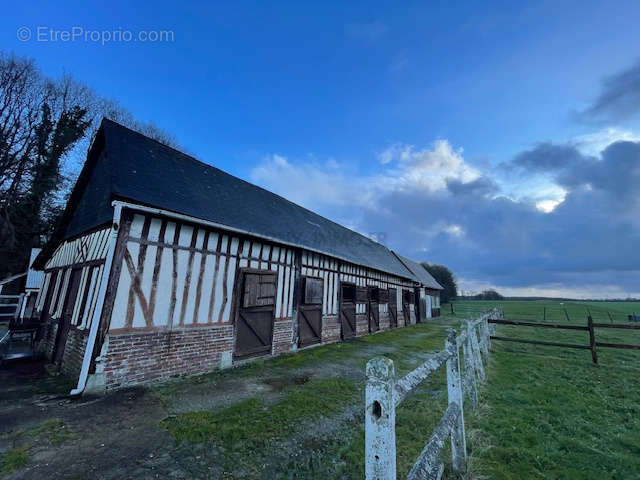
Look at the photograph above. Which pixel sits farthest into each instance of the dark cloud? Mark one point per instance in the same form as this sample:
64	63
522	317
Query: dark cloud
548	157
481	186
593	237
619	97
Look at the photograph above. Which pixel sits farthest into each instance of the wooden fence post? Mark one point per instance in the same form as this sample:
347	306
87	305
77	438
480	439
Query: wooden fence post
454	393
451	304
592	340
380	420
566	315
475	348
544	313
469	369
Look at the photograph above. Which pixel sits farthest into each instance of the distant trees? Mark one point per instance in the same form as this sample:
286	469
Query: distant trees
488	295
45	125
444	277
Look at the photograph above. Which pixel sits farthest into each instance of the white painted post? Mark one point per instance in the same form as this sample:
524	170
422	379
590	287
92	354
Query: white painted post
380	420
484	340
454	392
469	370
475	348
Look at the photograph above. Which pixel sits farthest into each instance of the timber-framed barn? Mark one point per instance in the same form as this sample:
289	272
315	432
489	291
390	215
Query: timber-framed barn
164	266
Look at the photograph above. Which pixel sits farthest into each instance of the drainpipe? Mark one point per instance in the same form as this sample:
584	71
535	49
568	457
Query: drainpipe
95	320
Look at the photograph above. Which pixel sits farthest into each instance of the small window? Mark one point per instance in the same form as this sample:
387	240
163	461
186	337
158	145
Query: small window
313	291
384	295
348	293
259	290
361	294
374	294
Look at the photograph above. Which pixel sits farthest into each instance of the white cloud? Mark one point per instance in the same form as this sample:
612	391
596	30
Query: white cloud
594	143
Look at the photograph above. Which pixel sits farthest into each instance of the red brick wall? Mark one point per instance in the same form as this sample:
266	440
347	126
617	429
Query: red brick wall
134	358
362	324
282	333
48	340
330	329
385	321
74	352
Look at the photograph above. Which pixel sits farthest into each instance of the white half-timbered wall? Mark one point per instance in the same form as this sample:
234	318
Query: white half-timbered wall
87	252
333	272
175	274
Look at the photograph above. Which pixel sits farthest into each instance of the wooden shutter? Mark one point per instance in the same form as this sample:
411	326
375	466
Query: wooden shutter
361	294
259	290
383	295
373	293
313	291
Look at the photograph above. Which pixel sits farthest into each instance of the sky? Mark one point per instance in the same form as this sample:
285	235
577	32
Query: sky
501	139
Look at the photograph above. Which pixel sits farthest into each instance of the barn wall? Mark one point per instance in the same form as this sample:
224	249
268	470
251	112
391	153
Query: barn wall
173	305
87	253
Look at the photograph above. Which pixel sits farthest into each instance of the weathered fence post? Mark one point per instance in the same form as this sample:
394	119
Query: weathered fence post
380	420
454	392
475	348
469	369
592	340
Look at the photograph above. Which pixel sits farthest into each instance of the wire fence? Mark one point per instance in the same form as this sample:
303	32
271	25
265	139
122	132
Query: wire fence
543	311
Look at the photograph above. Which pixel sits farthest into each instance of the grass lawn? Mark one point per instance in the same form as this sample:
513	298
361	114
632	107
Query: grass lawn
550	413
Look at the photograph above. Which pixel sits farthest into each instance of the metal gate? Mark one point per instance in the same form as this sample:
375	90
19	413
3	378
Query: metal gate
254	321
64	323
348	310
393	308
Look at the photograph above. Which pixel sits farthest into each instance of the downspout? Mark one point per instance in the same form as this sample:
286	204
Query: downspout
95	320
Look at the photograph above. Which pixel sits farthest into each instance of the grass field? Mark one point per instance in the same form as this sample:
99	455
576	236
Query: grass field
549	412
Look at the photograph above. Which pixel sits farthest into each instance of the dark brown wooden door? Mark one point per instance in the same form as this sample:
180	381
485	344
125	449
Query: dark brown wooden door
254	321
406	312
348	311
393	308
374	317
309	325
418	308
64	323
310	312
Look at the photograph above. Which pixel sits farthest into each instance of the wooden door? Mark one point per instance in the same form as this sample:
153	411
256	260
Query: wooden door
64	323
348	310
373	311
406	312
310	312
254	321
418	308
393	308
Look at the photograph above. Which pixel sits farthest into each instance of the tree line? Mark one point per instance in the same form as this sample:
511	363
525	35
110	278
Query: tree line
46	126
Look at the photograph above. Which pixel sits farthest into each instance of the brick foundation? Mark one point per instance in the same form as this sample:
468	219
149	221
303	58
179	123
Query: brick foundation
282	333
134	358
330	329
74	352
362	324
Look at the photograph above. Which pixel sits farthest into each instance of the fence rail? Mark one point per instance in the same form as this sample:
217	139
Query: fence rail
10	306
384	393
590	327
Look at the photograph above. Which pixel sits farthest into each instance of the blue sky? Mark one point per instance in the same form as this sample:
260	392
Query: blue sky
382	109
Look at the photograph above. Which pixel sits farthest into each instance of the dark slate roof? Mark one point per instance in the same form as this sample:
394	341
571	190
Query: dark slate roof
420	272
130	166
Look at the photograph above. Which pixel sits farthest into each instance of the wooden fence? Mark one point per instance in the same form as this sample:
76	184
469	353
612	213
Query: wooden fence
590	327
384	393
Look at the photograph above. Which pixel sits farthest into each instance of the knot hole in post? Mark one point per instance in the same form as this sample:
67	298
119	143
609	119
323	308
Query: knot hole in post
376	410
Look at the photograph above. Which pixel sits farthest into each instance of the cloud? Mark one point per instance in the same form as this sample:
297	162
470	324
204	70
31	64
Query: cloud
368	31
579	233
619	97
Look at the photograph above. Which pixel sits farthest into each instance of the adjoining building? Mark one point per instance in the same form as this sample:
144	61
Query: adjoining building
165	266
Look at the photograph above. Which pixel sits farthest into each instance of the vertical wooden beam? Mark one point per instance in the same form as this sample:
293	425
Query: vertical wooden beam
297	296
469	369
454	393
592	340
475	351
380	420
